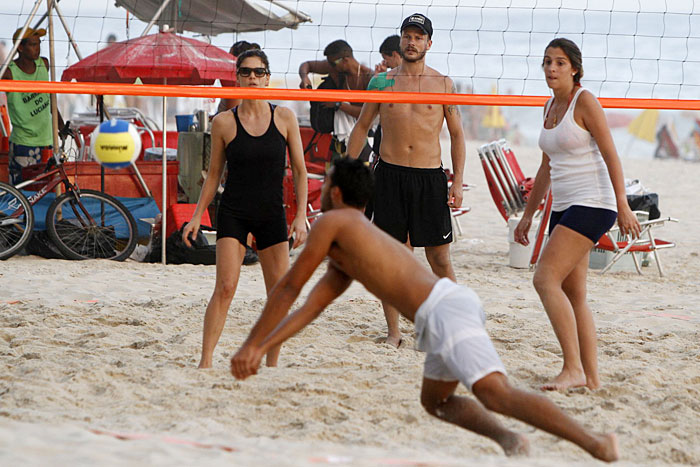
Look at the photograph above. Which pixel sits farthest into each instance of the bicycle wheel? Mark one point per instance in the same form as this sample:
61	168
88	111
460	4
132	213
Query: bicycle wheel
16	220
93	225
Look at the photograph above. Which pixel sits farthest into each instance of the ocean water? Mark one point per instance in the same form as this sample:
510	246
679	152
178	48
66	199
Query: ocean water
631	48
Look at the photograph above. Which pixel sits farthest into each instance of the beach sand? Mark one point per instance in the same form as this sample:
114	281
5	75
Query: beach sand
98	360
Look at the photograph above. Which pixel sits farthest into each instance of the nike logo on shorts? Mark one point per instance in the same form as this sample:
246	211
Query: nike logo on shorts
445	236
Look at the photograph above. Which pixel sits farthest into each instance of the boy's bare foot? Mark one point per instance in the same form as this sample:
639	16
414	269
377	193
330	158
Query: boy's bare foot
606	448
565	380
516	444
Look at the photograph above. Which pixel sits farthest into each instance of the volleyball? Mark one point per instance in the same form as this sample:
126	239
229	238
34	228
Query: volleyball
115	144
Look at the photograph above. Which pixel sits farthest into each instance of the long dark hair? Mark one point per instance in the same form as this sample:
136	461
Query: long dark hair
573	53
253	53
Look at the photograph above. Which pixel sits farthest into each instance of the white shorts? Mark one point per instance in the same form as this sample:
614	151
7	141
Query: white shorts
450	328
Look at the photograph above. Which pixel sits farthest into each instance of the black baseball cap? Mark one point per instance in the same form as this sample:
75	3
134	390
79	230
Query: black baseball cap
422	22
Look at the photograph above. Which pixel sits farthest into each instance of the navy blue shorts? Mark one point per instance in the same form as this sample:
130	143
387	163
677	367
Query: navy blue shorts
589	222
267	232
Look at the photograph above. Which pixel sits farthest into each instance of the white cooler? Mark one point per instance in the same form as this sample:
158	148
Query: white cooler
519	255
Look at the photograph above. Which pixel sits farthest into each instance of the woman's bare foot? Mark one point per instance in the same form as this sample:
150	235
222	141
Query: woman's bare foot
564	381
606	448
394	341
515	444
592	382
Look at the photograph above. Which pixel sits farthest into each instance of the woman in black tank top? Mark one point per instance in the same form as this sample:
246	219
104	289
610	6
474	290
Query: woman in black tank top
253	139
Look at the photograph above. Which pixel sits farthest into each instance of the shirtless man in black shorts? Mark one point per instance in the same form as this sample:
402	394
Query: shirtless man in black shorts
449	321
412	202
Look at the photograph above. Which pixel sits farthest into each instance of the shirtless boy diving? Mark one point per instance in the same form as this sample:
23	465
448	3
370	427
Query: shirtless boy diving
449	321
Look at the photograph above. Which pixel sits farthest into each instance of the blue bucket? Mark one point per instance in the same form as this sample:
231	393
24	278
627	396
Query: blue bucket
183	122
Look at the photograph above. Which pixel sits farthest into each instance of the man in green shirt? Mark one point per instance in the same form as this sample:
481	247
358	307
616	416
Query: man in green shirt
390	51
30	112
391	58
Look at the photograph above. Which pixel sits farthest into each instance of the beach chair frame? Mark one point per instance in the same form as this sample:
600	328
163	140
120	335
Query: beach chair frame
505	208
645	243
503	176
542	228
505	159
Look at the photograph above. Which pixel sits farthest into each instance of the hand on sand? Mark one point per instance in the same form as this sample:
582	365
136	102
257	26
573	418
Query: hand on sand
607	448
516	445
246	362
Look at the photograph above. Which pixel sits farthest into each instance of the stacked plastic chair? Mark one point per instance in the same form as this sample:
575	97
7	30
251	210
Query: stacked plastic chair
509	188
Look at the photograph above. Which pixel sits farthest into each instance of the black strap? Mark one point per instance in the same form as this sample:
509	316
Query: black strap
312	142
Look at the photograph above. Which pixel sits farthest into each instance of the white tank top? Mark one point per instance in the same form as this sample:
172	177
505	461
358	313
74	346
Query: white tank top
577	169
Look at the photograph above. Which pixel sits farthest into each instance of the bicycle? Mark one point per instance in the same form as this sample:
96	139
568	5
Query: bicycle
83	224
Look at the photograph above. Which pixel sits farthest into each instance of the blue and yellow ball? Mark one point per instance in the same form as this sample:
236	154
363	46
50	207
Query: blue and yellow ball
115	144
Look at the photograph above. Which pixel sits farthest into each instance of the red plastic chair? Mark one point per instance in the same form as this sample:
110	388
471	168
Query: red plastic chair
290	200
317	149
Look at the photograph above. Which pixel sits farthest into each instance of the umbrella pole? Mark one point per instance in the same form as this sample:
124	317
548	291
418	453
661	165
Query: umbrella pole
295	12
165	178
101	109
68	33
155	17
173	18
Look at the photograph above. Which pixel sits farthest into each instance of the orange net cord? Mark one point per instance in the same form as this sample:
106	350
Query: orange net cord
326	95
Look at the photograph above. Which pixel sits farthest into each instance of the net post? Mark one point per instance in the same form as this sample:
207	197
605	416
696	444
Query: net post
52	66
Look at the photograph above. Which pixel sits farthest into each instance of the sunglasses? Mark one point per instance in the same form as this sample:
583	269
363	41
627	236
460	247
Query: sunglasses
336	62
246	71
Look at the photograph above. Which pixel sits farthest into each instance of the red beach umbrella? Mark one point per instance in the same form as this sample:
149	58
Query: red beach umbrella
154	59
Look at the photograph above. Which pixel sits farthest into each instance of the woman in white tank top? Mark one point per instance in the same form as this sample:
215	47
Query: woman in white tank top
580	162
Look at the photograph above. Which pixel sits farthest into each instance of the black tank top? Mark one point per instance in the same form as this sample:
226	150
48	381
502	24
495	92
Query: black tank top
256	167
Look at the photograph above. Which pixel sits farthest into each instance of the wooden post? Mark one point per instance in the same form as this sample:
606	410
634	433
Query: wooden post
52	66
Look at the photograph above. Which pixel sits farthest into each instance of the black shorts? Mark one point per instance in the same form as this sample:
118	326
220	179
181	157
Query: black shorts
412	202
589	222
267	232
